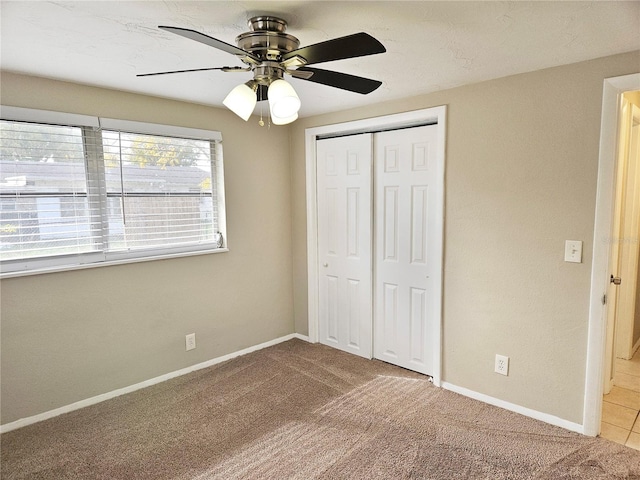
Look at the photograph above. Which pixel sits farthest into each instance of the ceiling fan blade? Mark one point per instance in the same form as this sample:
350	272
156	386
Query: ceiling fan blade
356	45
340	80
212	42
224	69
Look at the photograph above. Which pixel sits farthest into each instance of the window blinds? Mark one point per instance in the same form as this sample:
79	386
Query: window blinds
45	209
159	190
94	194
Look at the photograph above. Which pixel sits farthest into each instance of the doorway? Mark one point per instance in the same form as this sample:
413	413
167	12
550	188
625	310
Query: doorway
627	329
600	301
318	243
621	402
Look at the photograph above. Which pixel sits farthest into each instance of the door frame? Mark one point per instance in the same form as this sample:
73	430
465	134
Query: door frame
596	339
413	118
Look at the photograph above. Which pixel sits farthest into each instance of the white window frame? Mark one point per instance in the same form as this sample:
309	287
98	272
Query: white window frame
32	266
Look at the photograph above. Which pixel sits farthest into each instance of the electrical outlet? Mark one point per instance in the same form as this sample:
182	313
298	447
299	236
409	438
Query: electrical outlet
502	365
190	340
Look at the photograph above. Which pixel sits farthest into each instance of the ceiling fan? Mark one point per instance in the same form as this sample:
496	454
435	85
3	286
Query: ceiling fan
270	53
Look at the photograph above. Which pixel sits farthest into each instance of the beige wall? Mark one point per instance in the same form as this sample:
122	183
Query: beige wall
521	171
69	336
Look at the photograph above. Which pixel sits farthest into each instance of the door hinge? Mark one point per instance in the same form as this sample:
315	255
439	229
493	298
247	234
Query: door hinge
604	299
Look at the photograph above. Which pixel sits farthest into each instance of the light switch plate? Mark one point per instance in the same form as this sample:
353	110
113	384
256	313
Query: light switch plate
573	251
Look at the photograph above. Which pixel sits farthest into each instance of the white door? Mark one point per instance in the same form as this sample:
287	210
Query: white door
344	243
406	251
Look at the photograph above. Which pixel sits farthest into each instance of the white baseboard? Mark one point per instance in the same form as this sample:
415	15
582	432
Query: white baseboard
544	417
299	336
23	422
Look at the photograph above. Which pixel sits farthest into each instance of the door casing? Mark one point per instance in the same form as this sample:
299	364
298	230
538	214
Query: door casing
435	115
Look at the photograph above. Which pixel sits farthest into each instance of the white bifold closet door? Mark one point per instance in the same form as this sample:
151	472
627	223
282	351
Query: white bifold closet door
405	208
344	243
375	205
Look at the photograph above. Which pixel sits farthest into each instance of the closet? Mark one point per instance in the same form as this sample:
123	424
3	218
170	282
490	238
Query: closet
379	244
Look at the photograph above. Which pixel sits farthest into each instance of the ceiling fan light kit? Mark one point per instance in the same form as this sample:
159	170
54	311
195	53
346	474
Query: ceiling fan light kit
270	53
242	100
283	100
284	120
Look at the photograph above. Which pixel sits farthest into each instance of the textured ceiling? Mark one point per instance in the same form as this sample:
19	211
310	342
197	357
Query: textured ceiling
430	45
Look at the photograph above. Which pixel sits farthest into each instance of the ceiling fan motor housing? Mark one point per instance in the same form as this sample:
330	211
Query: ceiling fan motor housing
267	39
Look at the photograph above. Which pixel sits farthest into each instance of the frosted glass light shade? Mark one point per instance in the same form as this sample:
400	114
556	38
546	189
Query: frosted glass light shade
285	120
241	101
283	101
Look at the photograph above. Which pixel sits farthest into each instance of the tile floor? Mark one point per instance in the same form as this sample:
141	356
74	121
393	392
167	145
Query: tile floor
621	407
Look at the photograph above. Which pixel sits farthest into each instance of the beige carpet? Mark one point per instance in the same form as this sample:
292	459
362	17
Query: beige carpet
300	411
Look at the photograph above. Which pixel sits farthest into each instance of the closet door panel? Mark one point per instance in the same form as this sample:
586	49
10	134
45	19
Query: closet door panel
344	167
404	174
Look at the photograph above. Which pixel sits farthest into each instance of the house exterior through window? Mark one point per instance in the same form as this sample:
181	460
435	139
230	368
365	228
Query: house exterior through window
86	194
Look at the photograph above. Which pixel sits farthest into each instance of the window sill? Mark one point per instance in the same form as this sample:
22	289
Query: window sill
108	263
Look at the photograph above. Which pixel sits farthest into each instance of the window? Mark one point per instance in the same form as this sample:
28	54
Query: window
76	190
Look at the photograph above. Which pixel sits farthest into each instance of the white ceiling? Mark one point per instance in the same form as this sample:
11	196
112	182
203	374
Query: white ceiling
430	45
